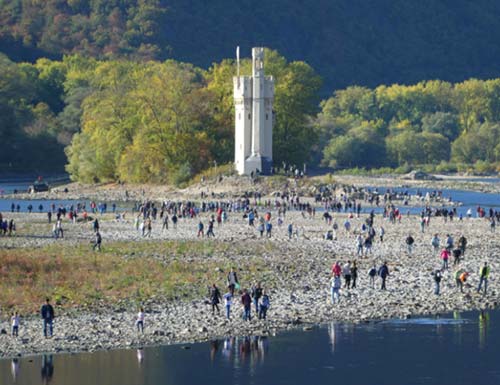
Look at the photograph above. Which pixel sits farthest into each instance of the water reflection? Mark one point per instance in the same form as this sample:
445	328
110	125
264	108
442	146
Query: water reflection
47	368
238	352
455	338
14	369
333	329
484	323
140	356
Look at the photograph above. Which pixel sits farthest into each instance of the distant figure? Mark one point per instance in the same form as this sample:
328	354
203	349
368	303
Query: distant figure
354	274
256	295
336	269
232	280
215	298
15	324
409	243
200	230
372	274
383	273
47	313
483	277
264	305
335	285
435	242
246	301
460	279
445	256
140	320
437	281
462	244
98	241
228	301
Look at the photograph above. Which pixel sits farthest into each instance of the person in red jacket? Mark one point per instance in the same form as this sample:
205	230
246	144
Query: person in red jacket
336	269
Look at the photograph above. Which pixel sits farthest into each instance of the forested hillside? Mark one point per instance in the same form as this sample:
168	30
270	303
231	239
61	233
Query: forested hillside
141	90
348	42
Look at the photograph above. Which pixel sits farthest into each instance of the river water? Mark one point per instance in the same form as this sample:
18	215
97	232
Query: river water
451	349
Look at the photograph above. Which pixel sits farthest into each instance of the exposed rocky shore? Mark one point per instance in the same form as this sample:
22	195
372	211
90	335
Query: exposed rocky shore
296	274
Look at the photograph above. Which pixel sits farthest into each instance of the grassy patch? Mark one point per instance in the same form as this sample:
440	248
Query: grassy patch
74	276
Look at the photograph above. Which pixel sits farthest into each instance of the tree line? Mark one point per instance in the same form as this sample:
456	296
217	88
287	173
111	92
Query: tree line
164	122
429	123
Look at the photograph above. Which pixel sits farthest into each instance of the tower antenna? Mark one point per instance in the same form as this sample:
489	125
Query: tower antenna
238	61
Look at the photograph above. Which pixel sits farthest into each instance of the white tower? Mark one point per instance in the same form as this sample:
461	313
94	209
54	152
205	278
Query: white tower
253	101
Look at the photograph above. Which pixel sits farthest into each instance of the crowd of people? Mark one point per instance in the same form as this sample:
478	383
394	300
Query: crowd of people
260	214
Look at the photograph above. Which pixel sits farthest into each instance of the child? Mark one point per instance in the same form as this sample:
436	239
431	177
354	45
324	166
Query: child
15	324
228	301
140	320
264	305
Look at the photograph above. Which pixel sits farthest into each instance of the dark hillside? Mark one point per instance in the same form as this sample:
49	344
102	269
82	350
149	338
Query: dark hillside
363	42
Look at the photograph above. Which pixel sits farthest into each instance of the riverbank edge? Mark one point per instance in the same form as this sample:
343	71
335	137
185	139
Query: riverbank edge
263	329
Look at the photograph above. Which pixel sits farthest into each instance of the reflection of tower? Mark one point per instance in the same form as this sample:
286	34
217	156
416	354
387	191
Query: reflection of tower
253	101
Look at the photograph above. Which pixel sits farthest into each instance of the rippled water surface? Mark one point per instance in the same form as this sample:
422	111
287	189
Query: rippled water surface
450	349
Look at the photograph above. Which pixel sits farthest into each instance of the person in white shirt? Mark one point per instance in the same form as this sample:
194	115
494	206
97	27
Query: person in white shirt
335	284
15	324
228	301
140	321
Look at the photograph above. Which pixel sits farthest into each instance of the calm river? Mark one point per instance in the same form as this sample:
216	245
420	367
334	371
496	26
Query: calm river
451	350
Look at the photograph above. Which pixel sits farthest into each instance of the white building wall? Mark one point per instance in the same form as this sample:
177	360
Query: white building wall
243	121
253	101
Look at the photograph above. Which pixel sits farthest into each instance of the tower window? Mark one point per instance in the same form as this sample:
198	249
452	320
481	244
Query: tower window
239	116
249	116
267	117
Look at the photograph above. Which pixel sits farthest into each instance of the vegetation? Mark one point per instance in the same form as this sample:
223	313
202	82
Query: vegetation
347	42
99	79
430	123
75	277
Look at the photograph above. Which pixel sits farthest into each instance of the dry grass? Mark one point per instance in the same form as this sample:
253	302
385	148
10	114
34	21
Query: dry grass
75	277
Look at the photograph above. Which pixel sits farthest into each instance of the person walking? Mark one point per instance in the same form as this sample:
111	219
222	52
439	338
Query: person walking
200	229
336	269
382	233
335	285
15	324
215	298
462	244
139	323
232	280
246	301
445	256
372	274
98	241
165	222
435	242
47	313
359	245
383	273
483	277
409	243
346	272
256	295
264	305
354	274
228	301
437	281
210	231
